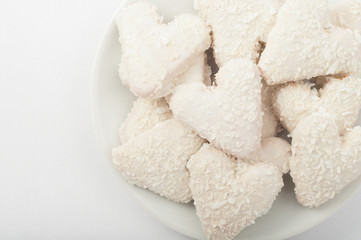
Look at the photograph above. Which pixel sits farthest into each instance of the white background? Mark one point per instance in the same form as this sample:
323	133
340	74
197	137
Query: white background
54	183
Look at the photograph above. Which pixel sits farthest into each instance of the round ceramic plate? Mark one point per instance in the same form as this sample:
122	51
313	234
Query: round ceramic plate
111	102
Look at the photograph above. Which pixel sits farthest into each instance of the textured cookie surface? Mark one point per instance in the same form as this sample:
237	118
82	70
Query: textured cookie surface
153	53
322	162
347	14
273	150
238	26
228	194
304	44
228	115
156	159
198	71
340	97
145	114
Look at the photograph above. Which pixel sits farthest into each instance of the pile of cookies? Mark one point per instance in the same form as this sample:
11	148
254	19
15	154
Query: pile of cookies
210	135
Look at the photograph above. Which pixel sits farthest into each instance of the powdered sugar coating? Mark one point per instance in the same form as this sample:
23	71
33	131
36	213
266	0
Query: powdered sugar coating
340	97
145	114
304	44
238	26
270	121
273	150
228	194
153	53
157	159
322	162
227	115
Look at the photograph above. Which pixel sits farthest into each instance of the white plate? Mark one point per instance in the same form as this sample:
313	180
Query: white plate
111	102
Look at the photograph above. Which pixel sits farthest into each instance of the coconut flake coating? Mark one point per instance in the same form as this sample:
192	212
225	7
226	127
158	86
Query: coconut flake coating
273	150
228	115
304	44
340	97
145	114
153	53
322	162
270	121
157	159
228	194
347	15
238	26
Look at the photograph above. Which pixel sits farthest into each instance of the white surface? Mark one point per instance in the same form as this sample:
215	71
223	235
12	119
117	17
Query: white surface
53	181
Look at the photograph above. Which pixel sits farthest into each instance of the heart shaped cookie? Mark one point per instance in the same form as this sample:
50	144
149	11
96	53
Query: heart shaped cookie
322	162
157	158
228	194
227	115
304	44
153	53
340	97
238	27
145	114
